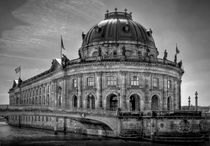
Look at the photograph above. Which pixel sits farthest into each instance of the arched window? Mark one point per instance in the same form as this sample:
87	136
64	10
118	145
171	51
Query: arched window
59	97
75	102
169	103
155	103
36	100
112	102
43	100
59	100
134	102
47	100
40	100
90	102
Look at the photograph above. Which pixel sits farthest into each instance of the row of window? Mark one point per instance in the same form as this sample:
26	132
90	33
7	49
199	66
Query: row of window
112	81
41	100
35	91
156	83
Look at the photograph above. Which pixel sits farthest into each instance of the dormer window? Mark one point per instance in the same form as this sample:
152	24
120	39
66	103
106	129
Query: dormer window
98	29
126	28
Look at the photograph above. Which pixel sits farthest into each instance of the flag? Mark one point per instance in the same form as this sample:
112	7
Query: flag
18	69
62	45
177	50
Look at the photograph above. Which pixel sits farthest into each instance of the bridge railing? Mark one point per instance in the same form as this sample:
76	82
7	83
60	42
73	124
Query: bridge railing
64	110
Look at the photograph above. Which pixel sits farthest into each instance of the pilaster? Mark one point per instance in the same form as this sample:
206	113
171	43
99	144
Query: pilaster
80	103
122	78
99	90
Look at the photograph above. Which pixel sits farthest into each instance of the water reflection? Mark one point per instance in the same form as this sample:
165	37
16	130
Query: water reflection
24	136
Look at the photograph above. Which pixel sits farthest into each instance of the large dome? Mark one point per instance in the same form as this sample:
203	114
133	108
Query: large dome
118	36
118	26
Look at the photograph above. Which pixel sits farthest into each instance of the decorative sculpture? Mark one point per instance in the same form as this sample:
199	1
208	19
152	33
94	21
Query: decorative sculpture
165	55
180	64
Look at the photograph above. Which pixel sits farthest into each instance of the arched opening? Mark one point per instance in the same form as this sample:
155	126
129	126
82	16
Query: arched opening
154	103
134	102
75	101
112	102
90	102
169	103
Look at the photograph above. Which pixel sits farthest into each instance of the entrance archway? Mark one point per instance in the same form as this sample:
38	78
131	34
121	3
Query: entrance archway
112	102
75	102
134	102
90	102
155	103
169	103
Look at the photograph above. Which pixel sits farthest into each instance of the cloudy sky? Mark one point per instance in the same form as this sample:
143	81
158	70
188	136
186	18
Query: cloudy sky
30	35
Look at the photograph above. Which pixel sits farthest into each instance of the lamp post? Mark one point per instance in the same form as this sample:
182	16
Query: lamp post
196	101
189	103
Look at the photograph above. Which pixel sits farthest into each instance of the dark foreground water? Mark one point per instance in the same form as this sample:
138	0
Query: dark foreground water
10	135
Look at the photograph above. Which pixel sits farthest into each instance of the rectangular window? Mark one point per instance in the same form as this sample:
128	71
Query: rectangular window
74	83
111	81
134	81
169	84
155	82
90	81
48	89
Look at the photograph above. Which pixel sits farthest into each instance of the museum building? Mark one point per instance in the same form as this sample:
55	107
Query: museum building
118	68
113	88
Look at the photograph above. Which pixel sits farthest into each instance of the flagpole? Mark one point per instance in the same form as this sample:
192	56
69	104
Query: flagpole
61	47
20	73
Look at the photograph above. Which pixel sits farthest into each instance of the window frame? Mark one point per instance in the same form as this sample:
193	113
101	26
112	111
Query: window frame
155	83
169	84
135	82
90	81
111	80
74	83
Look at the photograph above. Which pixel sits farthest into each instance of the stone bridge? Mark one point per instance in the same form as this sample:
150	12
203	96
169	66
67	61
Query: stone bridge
105	120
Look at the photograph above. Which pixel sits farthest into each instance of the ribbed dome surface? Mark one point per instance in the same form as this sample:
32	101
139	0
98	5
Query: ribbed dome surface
118	26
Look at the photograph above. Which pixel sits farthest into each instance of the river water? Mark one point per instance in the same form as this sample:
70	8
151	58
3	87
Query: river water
10	135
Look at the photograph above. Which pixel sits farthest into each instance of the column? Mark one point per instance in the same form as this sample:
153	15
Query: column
179	92
64	92
147	104
122	78
52	93
56	125
80	104
99	90
196	101
165	93
189	103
